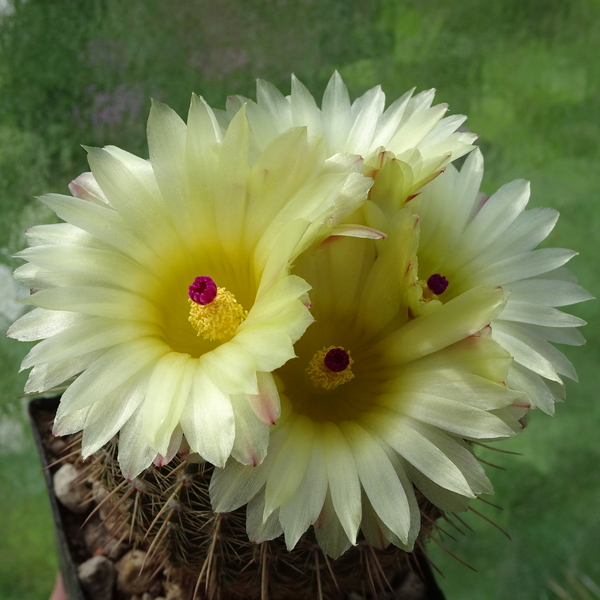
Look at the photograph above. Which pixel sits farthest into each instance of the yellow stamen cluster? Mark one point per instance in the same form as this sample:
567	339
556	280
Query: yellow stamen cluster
220	318
323	377
428	295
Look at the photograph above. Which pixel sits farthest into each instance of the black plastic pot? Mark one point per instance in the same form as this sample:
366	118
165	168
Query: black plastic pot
41	410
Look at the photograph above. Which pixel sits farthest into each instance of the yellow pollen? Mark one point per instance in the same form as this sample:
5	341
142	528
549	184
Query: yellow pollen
220	318
428	295
323	377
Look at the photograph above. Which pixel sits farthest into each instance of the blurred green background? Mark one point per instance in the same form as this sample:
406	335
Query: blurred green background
525	72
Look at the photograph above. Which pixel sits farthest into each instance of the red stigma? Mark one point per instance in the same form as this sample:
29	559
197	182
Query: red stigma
337	360
203	290
437	284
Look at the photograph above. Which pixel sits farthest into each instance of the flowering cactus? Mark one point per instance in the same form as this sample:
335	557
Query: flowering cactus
314	299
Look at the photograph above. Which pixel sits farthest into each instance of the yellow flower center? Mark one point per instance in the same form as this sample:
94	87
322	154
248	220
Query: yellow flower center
330	367
428	295
433	287
214	312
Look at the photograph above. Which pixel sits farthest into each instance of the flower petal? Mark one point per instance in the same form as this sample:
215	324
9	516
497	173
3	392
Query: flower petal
95	333
532	351
135	454
237	484
379	480
336	113
231	368
44	377
168	391
330	533
259	529
406	437
41	323
270	346
105	419
251	434
343	479
112	369
457	319
207	420
290	464
266	404
305	506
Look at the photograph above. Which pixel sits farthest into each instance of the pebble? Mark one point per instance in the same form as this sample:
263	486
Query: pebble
99	495
70	493
173	591
99	541
57	446
131	579
97	577
99	492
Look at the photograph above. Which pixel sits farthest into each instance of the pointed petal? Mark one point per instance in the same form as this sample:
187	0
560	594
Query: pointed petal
135	453
45	377
406	437
230	184
533	313
41	323
270	99
541	396
329	532
130	186
231	368
436	494
207	420
457	319
270	346
237	484
103	223
251	434
494	218
202	144
305	506
106	417
336	113
548	292
366	112
532	351
167	147
266	404
290	465
343	479
304	108
522	266
168	391
260	530
86	187
379	480
97	301
72	423
111	370
86	336
358	231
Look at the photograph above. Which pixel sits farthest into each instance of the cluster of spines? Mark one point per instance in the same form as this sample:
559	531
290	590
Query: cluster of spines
166	511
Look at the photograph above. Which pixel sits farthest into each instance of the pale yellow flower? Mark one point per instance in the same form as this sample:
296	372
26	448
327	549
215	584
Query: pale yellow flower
411	132
377	402
153	360
471	240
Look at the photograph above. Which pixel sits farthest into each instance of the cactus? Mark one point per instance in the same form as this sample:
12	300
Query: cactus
166	511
